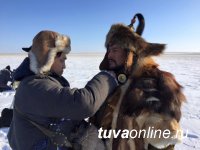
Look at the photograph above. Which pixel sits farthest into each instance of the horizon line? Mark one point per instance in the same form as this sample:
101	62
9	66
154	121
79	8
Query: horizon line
92	53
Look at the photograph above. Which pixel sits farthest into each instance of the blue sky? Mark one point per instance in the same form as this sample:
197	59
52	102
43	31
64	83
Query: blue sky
174	22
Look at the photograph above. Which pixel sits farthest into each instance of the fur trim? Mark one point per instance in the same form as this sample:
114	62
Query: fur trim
33	62
61	43
51	55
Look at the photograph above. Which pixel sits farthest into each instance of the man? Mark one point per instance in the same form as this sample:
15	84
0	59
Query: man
46	110
116	57
5	77
151	91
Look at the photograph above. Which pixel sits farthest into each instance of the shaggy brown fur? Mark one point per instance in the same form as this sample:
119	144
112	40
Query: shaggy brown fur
137	111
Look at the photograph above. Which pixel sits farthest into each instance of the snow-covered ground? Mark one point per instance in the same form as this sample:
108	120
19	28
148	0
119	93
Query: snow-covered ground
81	68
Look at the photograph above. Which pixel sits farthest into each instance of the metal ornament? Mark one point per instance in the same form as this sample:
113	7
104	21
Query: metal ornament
122	78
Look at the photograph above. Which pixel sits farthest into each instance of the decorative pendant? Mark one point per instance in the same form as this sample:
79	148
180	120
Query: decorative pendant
122	78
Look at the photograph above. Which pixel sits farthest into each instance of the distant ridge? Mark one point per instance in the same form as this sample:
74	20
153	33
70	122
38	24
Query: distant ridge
165	53
13	54
181	53
101	53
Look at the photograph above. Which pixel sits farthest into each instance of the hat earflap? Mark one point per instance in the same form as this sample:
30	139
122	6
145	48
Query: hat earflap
104	64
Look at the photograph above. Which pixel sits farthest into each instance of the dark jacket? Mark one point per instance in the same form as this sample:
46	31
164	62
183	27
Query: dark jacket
48	100
5	76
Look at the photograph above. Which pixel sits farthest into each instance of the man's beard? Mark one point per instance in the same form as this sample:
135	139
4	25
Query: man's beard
117	69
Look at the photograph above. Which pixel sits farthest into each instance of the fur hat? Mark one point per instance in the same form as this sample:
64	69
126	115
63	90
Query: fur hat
46	44
127	39
123	36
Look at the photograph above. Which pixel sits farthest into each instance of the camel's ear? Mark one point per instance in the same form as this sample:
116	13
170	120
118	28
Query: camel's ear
152	49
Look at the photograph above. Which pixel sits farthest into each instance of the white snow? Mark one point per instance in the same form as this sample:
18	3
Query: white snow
82	67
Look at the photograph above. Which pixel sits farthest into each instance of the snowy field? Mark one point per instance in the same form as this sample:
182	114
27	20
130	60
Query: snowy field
81	68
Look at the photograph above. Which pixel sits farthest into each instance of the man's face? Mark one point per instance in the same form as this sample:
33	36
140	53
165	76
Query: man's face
59	64
116	56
